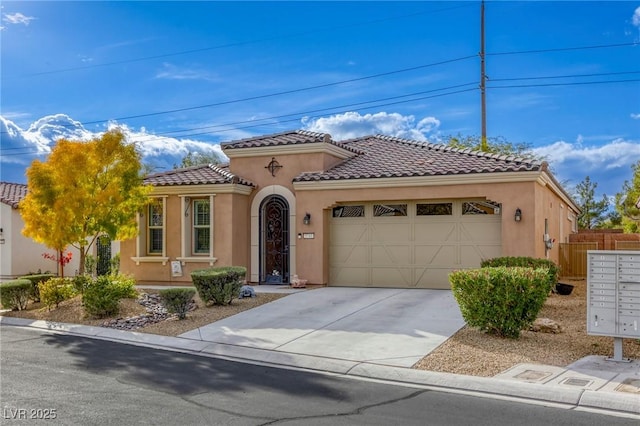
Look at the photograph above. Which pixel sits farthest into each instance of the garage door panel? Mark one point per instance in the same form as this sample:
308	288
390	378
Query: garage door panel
432	278
391	277
474	255
435	255
388	254
384	232
410	251
350	254
439	231
349	233
481	231
351	276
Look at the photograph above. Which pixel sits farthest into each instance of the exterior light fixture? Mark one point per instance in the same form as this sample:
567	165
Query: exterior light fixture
307	219
518	215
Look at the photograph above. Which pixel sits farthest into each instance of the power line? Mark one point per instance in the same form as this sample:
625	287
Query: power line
565	84
240	43
150	137
563	49
566	76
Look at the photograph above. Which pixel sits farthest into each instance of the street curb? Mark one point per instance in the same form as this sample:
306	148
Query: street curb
482	386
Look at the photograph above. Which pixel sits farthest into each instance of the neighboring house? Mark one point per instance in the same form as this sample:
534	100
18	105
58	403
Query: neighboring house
372	211
20	255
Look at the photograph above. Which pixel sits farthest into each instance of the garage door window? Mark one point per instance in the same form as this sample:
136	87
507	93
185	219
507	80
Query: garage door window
434	209
480	207
380	210
348	211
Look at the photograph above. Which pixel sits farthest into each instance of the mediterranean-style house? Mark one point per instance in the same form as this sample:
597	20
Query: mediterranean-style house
374	211
20	255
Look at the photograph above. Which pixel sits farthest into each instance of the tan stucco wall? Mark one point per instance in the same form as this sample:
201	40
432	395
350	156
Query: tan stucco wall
230	241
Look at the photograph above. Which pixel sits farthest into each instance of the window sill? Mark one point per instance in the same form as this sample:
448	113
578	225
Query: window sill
196	259
150	259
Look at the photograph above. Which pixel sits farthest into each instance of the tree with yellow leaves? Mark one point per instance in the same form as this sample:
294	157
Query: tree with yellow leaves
84	190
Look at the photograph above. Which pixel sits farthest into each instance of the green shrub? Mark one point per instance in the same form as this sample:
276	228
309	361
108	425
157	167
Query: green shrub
177	300
36	279
55	290
500	300
101	298
219	285
526	262
81	282
15	294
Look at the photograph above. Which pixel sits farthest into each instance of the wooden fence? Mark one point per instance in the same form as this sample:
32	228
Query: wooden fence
573	256
573	259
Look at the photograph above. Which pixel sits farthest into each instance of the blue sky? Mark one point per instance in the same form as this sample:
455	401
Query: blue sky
564	77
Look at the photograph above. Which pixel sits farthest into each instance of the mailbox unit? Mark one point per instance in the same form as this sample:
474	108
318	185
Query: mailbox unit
613	298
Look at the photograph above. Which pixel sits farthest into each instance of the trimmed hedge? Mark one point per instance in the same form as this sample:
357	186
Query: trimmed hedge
15	294
56	290
218	285
36	279
177	300
101	298
500	300
526	262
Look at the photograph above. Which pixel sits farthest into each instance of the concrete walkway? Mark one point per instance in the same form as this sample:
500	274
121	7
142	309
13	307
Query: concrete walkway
378	334
383	326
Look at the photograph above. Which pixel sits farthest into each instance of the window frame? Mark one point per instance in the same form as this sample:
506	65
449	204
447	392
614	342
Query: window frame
195	227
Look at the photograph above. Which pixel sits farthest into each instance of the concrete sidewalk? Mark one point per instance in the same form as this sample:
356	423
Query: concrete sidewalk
373	334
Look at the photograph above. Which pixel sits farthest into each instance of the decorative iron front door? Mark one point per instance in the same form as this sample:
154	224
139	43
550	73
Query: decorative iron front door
274	240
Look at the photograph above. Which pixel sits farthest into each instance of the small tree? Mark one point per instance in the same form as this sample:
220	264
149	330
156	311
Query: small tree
594	213
627	201
198	158
492	145
84	190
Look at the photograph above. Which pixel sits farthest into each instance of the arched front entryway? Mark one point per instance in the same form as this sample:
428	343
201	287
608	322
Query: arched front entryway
274	240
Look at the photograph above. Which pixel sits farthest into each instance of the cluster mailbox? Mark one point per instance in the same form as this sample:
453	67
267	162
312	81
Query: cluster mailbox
613	298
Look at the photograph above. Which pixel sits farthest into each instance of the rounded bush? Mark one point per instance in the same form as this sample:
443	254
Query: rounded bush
177	300
15	294
56	290
526	262
500	300
218	285
36	279
101	298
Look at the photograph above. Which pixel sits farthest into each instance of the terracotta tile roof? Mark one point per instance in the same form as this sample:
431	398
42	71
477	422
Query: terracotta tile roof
12	193
196	175
386	156
293	137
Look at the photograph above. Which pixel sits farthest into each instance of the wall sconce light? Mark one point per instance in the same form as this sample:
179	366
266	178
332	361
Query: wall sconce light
307	219
518	216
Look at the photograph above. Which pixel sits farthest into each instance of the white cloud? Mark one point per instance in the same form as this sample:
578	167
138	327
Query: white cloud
615	154
635	116
352	125
20	147
172	72
636	17
17	18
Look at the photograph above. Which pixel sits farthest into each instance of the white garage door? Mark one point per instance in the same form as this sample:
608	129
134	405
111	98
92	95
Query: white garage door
412	244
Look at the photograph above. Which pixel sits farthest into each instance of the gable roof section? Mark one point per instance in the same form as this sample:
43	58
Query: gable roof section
197	175
388	157
293	137
12	193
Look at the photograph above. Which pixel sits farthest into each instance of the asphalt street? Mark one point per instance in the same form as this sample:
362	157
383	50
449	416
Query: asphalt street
82	381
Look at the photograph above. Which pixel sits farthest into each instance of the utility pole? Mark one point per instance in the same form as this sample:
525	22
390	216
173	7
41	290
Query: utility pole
483	78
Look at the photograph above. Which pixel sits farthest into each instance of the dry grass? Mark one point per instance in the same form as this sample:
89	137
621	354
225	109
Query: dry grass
472	352
467	352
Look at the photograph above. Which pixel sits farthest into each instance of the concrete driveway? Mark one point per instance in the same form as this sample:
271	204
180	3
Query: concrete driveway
382	326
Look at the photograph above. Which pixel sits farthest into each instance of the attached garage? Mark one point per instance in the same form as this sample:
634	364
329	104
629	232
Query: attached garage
411	244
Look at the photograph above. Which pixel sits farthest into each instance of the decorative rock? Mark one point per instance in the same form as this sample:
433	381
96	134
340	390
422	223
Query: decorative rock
156	312
246	291
546	325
